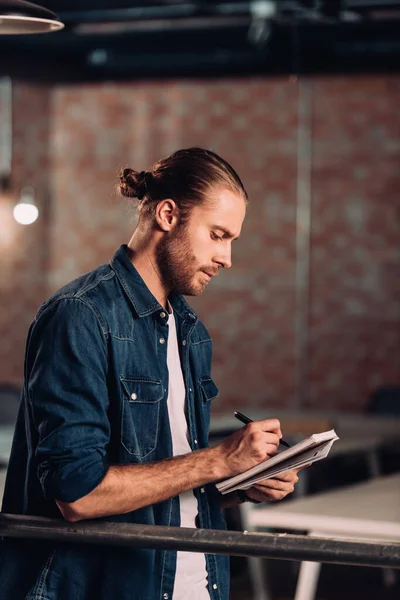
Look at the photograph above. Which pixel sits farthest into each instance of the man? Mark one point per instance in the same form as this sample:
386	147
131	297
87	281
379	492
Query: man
115	409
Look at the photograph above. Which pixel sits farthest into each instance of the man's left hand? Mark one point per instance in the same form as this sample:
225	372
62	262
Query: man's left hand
274	489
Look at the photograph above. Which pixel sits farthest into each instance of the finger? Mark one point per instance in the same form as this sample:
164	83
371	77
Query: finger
288	475
269	449
272	425
263	438
270	494
270	438
275	484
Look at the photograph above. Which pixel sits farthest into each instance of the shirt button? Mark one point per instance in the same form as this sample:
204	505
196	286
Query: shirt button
184	343
195	441
190	390
166	596
202	490
162	341
134	396
163	315
215	586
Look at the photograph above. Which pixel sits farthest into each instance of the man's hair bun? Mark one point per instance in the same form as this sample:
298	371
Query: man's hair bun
132	183
187	177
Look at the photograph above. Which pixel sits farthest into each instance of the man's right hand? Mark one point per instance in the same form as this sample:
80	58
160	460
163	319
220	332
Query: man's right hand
249	446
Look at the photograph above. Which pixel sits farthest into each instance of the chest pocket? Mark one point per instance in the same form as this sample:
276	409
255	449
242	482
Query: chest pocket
140	415
208	389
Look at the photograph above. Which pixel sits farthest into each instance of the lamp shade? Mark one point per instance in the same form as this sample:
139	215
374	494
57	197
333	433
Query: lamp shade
20	17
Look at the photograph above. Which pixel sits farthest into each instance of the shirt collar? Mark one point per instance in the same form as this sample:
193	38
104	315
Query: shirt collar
139	294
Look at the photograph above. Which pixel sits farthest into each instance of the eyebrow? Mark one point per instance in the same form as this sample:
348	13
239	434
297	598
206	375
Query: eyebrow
226	232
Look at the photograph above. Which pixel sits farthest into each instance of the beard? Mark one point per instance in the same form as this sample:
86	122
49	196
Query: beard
178	265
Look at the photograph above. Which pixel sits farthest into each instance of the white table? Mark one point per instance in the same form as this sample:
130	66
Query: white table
2	483
6	437
368	510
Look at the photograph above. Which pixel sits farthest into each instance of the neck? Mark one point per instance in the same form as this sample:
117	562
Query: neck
142	253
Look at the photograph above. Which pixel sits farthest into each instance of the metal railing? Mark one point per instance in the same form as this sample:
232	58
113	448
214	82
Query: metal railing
210	541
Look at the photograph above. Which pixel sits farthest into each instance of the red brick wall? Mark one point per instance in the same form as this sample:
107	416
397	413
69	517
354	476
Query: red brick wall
355	260
252	124
355	296
24	249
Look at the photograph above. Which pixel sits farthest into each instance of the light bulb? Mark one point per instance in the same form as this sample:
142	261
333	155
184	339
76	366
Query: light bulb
25	213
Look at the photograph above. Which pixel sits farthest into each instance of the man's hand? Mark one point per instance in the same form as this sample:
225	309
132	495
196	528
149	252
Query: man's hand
276	488
248	447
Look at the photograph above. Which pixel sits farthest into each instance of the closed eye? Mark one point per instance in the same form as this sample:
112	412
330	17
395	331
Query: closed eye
224	235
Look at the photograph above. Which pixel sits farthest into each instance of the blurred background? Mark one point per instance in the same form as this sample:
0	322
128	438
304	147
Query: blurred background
302	98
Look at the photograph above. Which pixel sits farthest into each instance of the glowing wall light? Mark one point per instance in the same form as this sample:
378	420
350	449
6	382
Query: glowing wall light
26	211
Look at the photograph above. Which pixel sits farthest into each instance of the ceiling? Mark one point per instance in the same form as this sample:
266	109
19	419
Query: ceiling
118	39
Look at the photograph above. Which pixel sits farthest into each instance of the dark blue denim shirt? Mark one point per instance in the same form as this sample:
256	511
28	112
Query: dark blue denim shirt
95	394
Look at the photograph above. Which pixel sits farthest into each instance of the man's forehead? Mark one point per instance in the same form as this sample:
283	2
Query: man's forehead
225	201
223	196
225	210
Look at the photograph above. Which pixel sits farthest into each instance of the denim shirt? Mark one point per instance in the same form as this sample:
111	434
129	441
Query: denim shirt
95	394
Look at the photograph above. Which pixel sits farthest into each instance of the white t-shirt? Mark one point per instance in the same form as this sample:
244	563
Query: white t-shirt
191	574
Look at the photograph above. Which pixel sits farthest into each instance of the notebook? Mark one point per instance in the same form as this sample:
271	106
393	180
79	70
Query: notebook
310	450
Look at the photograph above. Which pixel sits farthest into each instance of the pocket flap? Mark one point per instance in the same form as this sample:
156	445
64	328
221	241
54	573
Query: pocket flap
209	388
139	389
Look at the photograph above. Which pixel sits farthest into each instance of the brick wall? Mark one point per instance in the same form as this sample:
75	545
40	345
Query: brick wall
355	259
24	249
88	132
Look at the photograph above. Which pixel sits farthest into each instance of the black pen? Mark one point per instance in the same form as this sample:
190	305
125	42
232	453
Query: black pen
246	420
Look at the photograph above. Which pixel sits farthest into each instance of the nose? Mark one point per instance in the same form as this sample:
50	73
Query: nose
225	257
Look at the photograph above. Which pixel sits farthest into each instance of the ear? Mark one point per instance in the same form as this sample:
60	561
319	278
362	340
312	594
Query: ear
167	215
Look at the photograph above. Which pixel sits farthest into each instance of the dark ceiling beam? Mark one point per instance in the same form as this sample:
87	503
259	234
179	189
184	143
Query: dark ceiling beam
289	48
135	13
289	10
376	4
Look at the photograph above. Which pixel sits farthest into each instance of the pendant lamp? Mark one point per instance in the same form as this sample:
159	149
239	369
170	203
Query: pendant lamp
20	17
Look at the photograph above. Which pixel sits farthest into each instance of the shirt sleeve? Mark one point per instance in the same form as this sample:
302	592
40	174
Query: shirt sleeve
66	378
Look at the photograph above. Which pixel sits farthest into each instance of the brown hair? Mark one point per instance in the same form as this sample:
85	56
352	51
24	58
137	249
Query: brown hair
186	176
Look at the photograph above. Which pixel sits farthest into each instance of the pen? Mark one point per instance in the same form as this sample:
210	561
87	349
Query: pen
246	420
